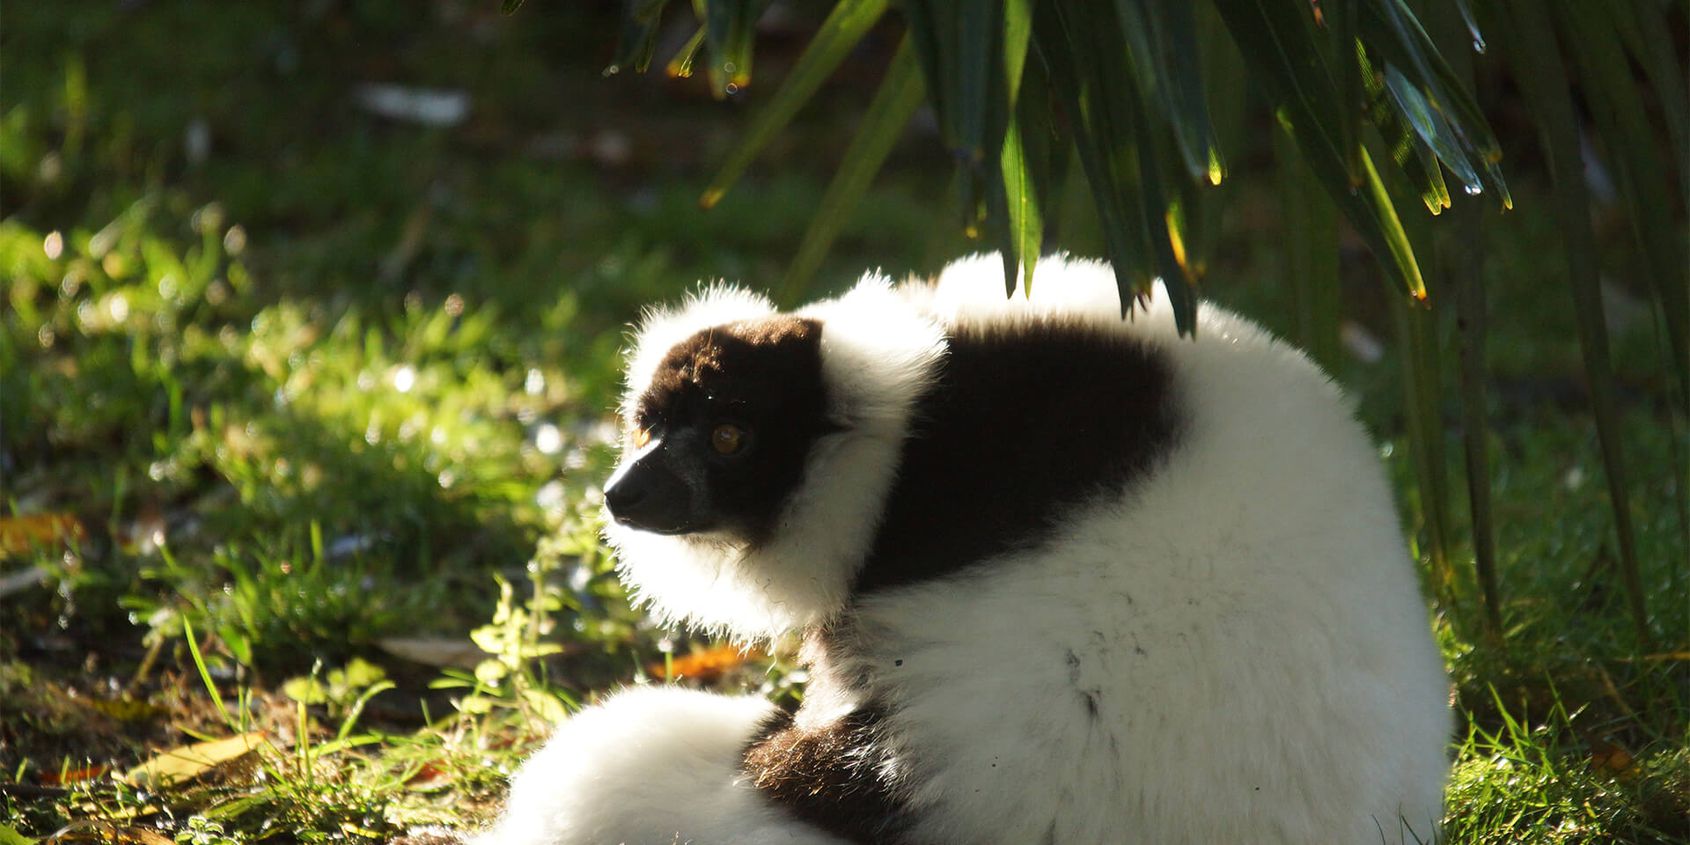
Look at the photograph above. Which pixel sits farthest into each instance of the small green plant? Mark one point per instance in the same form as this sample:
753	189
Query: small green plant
199	830
513	673
343	691
521	634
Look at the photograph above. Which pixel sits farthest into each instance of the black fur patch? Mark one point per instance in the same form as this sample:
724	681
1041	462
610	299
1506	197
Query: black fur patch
763	376
828	776
1023	423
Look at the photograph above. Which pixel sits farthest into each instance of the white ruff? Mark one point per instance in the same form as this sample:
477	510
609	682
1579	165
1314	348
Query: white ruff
877	355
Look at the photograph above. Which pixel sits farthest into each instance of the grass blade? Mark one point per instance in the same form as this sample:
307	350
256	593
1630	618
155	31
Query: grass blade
844	27
1026	164
1537	63
1422	370
899	94
1622	122
1277	41
1162	218
1346	55
1470	328
1403	145
1434	132
1311	253
1648	35
205	673
958	44
1463	270
1017	40
976	67
1417	350
1229	115
1472	25
1098	91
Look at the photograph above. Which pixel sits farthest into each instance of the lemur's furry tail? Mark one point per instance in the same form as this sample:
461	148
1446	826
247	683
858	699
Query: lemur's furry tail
648	765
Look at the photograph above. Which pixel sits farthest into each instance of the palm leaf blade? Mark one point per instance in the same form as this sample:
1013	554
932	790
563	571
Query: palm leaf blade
1093	84
728	27
1162	42
638	39
1542	76
1621	121
1277	41
899	94
844	27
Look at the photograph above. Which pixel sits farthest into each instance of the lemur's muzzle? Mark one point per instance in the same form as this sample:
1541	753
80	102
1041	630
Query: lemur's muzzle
650	497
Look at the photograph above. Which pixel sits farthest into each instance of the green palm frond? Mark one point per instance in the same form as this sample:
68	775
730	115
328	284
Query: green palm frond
1377	119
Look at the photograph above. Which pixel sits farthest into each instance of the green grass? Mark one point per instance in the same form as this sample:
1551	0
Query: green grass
344	380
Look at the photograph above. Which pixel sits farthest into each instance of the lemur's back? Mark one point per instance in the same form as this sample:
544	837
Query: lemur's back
1230	648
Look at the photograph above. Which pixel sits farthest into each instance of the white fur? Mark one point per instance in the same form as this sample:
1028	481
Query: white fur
663	327
1244	619
1247	619
877	355
651	766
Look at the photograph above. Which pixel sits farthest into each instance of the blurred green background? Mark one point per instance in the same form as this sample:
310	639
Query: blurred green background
311	321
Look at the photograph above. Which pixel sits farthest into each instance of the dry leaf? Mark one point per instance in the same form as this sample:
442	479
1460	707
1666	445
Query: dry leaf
1611	758
69	776
706	664
125	709
1670	655
443	652
191	761
106	833
19	534
428	778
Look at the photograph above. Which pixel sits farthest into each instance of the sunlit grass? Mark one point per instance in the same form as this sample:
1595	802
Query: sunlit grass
1535	778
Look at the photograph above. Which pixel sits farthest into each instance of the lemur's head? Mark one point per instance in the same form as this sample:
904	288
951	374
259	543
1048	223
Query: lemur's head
757	452
720	435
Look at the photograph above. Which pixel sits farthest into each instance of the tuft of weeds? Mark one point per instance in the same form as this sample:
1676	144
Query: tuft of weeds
1550	780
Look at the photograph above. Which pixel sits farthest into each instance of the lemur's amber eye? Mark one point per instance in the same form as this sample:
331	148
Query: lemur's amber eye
727	439
640	437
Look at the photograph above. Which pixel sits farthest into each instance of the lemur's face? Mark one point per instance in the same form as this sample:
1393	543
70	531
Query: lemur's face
717	442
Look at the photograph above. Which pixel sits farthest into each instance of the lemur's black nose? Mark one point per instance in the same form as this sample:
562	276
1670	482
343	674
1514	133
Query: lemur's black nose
623	497
651	498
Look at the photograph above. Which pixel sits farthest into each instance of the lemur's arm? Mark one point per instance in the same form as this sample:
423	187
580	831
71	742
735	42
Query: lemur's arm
836	775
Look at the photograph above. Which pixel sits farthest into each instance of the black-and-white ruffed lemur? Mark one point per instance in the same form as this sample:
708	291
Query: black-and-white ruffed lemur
1061	578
